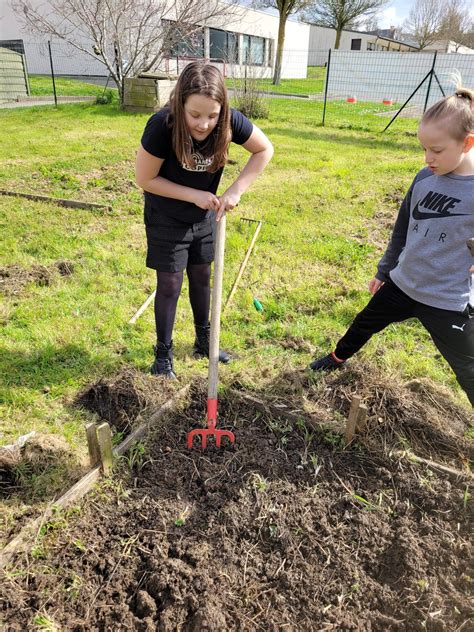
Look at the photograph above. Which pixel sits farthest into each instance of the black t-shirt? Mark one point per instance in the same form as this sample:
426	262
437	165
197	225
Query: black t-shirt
157	141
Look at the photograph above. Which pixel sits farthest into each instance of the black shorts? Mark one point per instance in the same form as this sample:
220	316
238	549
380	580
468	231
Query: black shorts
172	244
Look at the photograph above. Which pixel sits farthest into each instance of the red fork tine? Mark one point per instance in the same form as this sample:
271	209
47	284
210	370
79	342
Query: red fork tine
211	430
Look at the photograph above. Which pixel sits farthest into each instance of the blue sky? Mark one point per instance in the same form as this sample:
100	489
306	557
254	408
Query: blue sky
394	13
397	11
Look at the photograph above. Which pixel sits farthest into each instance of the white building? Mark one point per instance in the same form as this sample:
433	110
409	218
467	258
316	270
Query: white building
322	38
249	37
448	46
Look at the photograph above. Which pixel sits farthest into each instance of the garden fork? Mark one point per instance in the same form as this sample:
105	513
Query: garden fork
211	430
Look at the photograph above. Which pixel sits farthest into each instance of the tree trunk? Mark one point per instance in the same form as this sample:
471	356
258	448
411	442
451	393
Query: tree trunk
122	92
338	37
279	51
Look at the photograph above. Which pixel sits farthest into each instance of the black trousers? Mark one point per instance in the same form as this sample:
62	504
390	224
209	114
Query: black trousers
452	332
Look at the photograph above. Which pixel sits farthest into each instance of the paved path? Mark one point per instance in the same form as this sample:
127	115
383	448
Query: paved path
48	100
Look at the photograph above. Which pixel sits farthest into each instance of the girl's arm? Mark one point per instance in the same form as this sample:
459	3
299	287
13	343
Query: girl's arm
262	151
147	169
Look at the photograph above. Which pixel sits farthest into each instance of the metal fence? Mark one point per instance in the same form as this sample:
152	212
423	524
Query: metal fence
375	76
66	59
381	79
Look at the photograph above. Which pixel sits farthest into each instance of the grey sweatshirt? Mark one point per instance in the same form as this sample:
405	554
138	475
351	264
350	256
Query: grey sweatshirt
427	257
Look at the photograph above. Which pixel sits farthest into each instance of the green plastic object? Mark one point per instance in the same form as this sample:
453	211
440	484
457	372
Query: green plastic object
258	306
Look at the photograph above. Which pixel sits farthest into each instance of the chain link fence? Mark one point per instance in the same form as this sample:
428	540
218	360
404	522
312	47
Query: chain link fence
58	72
404	82
376	85
346	84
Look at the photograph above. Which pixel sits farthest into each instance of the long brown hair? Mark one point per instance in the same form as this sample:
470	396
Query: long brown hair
458	108
204	79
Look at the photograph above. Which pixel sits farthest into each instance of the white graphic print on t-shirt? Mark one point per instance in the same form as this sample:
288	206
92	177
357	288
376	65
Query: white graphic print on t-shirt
201	163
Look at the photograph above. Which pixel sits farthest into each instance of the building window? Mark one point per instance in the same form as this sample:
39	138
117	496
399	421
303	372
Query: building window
269	45
356	44
253	50
183	40
223	46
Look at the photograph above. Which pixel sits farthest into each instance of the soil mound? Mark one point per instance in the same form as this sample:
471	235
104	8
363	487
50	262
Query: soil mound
416	414
30	459
123	398
14	278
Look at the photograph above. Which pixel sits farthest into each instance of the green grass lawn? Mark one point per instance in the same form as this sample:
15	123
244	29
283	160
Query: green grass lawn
316	72
286	86
329	198
42	85
313	84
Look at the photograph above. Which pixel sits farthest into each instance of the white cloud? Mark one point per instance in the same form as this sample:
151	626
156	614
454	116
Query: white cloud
388	17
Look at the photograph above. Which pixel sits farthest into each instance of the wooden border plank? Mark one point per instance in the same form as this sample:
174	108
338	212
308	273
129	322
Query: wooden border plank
433	465
60	201
282	410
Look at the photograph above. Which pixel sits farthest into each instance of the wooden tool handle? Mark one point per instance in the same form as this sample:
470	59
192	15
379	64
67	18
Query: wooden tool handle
216	308
243	265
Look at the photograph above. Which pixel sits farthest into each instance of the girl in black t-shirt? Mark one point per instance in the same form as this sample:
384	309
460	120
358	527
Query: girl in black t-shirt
179	165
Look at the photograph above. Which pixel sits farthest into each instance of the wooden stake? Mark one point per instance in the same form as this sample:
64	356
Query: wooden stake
140	311
93	444
352	419
361	421
104	438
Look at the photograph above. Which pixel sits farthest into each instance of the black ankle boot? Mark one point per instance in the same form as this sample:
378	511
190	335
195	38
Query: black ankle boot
201	344
163	364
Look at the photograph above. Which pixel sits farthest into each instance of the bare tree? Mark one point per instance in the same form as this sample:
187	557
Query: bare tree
285	8
424	21
457	24
469	37
340	14
371	24
128	36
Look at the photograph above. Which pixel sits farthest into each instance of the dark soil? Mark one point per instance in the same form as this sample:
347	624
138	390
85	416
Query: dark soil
14	278
285	531
124	398
417	415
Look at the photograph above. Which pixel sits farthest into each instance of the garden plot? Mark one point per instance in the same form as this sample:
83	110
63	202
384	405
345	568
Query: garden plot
288	530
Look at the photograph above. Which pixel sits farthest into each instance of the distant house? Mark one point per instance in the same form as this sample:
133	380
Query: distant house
322	38
448	46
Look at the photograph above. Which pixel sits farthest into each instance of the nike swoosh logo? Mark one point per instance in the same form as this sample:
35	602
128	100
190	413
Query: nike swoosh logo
417	214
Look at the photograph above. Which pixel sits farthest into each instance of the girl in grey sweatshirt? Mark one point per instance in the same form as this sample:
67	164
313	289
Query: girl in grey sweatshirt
425	271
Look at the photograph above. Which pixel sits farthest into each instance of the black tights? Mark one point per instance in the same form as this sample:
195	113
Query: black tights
167	294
